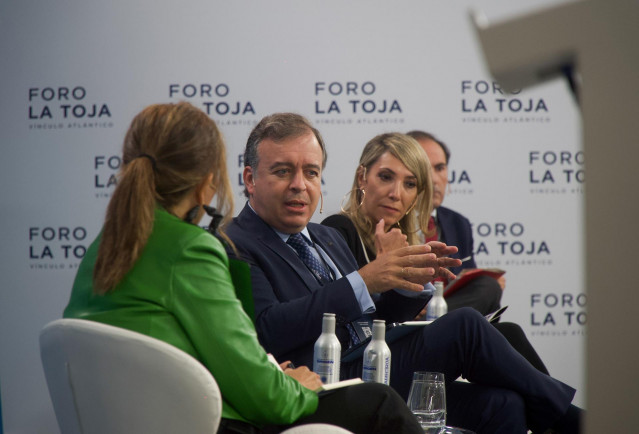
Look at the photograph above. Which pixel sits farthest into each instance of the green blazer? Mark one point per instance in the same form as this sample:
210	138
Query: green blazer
180	291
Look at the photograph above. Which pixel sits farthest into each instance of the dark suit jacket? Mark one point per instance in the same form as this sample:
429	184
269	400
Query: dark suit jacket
290	302
455	230
347	229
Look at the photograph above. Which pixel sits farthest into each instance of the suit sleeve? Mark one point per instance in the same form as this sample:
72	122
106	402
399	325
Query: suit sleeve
204	301
288	312
457	231
466	246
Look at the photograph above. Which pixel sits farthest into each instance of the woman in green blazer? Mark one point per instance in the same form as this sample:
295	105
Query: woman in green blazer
154	271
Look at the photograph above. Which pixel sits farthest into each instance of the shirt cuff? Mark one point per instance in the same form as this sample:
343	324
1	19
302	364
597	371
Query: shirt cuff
361	293
429	289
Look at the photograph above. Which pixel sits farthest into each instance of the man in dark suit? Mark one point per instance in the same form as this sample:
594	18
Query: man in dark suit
294	286
483	293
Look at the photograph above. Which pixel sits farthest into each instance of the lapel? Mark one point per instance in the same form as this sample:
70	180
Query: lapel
452	235
271	241
327	243
445	226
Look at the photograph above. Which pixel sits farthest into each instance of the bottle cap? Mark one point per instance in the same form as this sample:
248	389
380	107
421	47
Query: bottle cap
379	329
328	323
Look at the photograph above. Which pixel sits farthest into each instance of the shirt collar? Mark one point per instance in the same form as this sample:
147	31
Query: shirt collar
305	234
284	236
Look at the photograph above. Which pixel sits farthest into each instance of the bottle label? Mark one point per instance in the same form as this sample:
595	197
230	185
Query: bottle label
327	364
325	368
376	368
369	373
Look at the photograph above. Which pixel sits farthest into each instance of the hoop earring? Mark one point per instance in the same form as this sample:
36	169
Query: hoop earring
341	204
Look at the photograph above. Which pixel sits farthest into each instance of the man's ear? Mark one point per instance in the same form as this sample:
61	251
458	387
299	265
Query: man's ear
249	179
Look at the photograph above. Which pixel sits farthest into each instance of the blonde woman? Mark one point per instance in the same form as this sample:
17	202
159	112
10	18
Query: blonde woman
393	184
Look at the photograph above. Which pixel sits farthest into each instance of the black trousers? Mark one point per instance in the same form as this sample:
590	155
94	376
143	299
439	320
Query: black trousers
515	335
484	295
363	408
463	343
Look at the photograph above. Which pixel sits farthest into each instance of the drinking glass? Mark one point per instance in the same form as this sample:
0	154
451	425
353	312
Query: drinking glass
427	401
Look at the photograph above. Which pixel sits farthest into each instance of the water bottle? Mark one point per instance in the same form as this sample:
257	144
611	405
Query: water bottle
377	356
437	306
328	352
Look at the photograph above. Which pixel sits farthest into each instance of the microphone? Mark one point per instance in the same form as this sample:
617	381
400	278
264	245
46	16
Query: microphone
216	218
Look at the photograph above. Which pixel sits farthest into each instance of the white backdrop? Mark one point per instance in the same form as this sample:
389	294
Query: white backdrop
74	73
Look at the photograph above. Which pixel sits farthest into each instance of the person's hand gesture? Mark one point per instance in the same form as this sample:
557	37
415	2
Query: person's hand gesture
388	241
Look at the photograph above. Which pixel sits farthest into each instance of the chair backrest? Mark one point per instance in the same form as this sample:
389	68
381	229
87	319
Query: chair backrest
316	428
104	379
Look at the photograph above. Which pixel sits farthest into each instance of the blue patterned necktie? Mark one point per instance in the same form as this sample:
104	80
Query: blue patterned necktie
304	252
318	269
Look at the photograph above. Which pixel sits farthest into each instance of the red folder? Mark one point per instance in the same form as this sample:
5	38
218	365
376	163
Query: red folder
469	275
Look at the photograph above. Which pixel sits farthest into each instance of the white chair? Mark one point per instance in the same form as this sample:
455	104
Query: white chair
316	428
105	379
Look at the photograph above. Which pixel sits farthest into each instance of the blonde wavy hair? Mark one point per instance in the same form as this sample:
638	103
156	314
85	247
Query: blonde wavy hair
412	155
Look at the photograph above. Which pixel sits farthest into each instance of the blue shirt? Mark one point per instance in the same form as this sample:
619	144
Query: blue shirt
357	283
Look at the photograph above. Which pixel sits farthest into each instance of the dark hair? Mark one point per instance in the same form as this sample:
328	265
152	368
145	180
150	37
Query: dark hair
278	127
423	135
168	150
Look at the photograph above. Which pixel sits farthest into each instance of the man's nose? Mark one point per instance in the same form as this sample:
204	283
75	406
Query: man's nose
297	181
437	181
